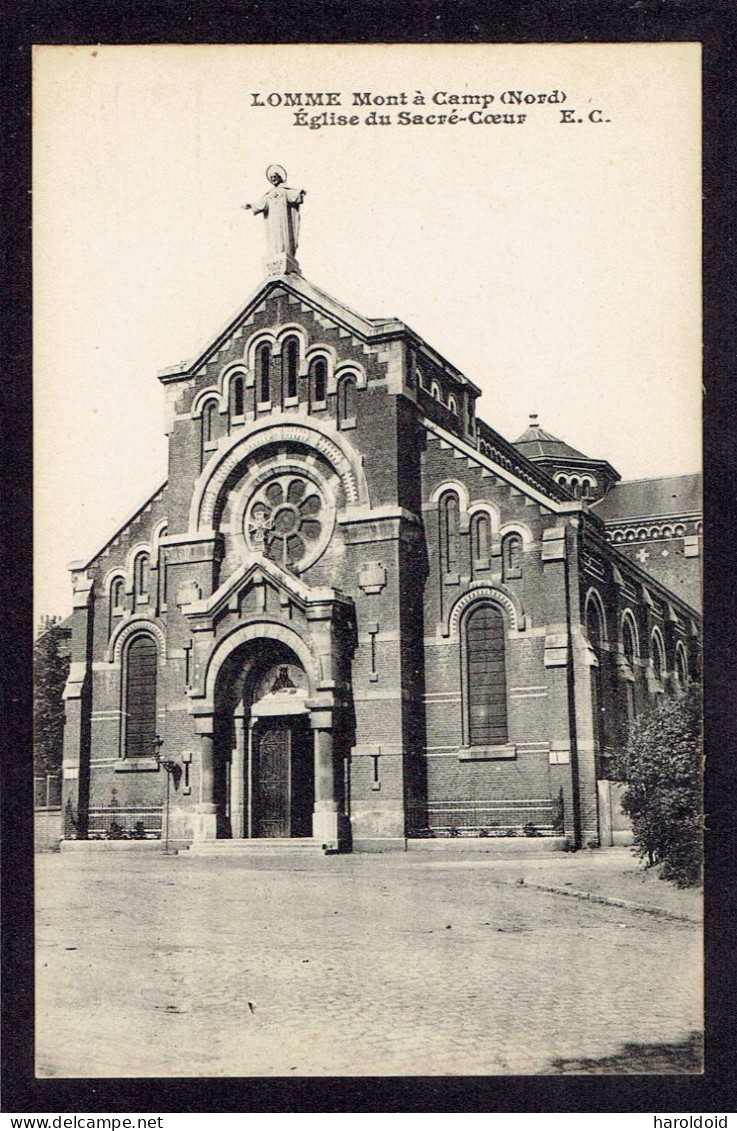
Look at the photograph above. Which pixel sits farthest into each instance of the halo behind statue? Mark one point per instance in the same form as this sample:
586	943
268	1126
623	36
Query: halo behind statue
276	169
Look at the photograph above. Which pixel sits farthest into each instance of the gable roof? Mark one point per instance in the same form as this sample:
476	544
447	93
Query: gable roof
369	329
640	498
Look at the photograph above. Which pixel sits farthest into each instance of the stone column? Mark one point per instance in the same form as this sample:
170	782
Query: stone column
205	819
249	779
237	779
325	825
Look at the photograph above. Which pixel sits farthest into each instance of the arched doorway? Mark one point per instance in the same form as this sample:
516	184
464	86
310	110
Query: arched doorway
264	758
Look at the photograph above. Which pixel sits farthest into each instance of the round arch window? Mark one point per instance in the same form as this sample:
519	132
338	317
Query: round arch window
289	519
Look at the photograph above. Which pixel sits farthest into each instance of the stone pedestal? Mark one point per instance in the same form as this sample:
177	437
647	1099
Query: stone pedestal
328	822
284	264
204	821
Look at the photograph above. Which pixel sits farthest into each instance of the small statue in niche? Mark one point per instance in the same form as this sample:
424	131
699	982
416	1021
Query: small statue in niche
283	680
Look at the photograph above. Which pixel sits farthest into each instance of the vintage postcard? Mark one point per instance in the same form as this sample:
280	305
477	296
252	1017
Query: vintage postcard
367	413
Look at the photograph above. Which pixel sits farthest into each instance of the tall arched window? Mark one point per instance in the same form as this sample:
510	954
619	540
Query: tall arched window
290	367
164	574
140	579
117	601
347	402
319	382
237	397
630	653
452	405
682	677
628	642
140	697
209	422
263	373
435	391
585	488
658	656
596	637
449	523
486	683
574	488
117	595
481	541
511	556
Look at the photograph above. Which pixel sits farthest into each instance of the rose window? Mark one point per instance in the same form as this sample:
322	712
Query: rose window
288	520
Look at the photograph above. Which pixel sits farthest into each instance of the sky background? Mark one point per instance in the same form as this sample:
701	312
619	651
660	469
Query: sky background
557	265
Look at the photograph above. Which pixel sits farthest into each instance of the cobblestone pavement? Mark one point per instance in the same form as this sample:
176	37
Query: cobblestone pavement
153	965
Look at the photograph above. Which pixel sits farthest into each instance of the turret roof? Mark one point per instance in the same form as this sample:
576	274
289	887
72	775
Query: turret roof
536	443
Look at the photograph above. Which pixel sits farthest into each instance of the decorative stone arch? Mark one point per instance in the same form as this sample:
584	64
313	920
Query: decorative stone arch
123	634
229	373
278	428
451	485
203	696
156	534
260	338
111	576
435	392
489	509
453	405
482	592
324	352
348	369
292	330
594	597
518	528
130	562
211	393
628	618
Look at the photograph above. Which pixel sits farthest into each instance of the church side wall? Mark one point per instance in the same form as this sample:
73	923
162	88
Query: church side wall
529	782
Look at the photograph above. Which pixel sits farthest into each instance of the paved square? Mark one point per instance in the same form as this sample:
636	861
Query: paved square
395	964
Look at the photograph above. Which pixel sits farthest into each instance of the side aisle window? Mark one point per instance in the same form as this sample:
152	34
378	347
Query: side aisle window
486	677
140	697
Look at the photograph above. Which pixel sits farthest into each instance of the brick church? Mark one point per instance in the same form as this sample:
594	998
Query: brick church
355	613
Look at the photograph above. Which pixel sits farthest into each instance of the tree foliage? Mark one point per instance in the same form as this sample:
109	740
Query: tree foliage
662	768
50	671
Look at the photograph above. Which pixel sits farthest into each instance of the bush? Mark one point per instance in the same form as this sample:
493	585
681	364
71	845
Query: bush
662	768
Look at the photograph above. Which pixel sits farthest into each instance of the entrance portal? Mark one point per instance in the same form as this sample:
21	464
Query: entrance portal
283	781
265	748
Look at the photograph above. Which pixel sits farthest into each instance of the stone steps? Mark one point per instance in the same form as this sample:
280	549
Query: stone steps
255	846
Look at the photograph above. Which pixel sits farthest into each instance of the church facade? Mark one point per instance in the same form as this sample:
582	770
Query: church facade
357	614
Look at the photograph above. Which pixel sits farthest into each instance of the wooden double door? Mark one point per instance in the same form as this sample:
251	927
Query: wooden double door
283	778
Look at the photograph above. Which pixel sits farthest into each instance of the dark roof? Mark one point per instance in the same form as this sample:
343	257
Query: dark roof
641	498
536	443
